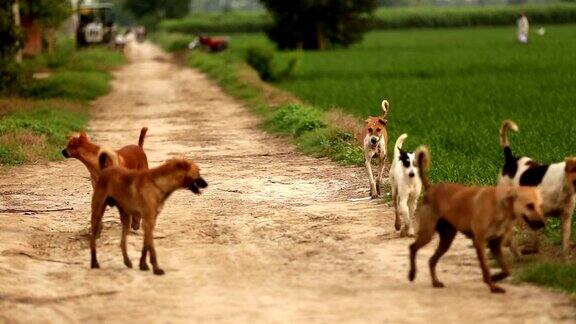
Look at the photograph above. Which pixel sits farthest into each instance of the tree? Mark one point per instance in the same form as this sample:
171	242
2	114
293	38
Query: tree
11	38
48	13
154	10
316	24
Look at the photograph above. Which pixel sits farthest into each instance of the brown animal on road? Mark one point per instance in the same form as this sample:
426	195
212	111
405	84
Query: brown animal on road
485	214
130	156
374	138
142	193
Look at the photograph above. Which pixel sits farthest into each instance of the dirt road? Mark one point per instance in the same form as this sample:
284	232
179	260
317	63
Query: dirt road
277	236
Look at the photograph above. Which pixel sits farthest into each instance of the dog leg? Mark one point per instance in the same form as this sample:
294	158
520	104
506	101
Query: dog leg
98	208
404	213
149	242
495	246
397	222
145	247
424	236
447	233
479	245
368	164
412	204
380	175
125	219
566	219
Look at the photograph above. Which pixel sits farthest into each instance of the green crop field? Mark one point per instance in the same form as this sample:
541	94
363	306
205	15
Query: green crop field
451	89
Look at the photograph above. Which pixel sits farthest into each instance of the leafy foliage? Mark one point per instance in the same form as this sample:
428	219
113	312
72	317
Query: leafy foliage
316	24
48	12
151	12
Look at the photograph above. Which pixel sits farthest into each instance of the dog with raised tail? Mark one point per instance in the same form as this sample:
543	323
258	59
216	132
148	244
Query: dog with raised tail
556	182
142	193
374	138
484	214
130	156
406	187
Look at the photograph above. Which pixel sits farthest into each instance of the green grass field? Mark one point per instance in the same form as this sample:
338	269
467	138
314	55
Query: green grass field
451	89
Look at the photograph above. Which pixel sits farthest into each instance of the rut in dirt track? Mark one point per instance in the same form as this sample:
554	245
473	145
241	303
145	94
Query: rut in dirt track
276	237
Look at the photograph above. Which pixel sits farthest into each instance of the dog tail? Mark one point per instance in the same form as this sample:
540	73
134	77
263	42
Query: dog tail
385	106
506	125
106	155
398	145
142	136
424	161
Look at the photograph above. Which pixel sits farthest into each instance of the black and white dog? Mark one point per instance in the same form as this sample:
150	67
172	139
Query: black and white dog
406	187
556	182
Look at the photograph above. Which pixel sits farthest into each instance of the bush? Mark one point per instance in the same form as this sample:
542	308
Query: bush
330	142
265	61
471	16
230	22
295	120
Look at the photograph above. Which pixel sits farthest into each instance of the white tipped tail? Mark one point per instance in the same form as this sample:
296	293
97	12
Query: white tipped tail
385	106
398	145
506	125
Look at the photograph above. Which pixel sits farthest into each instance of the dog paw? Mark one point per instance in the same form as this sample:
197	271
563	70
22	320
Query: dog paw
159	272
411	274
94	265
374	195
497	289
144	267
397	224
437	284
499	276
128	263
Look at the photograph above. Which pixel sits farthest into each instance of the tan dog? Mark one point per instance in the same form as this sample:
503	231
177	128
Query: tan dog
485	214
141	193
130	156
374	140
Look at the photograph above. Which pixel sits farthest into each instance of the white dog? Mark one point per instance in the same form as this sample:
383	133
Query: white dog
374	140
556	182
406	187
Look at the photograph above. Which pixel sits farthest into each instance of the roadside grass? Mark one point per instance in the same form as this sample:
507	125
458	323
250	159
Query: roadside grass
37	116
551	273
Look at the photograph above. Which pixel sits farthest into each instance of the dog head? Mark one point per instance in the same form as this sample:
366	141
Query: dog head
409	163
525	203
375	129
75	143
191	175
570	172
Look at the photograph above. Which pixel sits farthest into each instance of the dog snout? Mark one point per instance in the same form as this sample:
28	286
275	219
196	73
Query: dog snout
200	182
534	224
411	174
65	153
374	140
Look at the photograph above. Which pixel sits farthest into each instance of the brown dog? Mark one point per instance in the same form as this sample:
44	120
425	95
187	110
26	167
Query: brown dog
374	138
130	156
141	193
485	214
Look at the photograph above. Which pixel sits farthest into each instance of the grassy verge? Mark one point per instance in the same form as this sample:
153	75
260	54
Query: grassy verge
38	114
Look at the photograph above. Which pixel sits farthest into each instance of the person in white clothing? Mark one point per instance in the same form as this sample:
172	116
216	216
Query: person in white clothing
523	28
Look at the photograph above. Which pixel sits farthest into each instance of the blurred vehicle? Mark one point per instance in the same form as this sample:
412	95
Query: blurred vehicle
94	23
210	43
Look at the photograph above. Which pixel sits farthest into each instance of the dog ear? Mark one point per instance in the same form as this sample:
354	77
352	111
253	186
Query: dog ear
570	165
383	121
183	165
367	120
507	198
83	136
